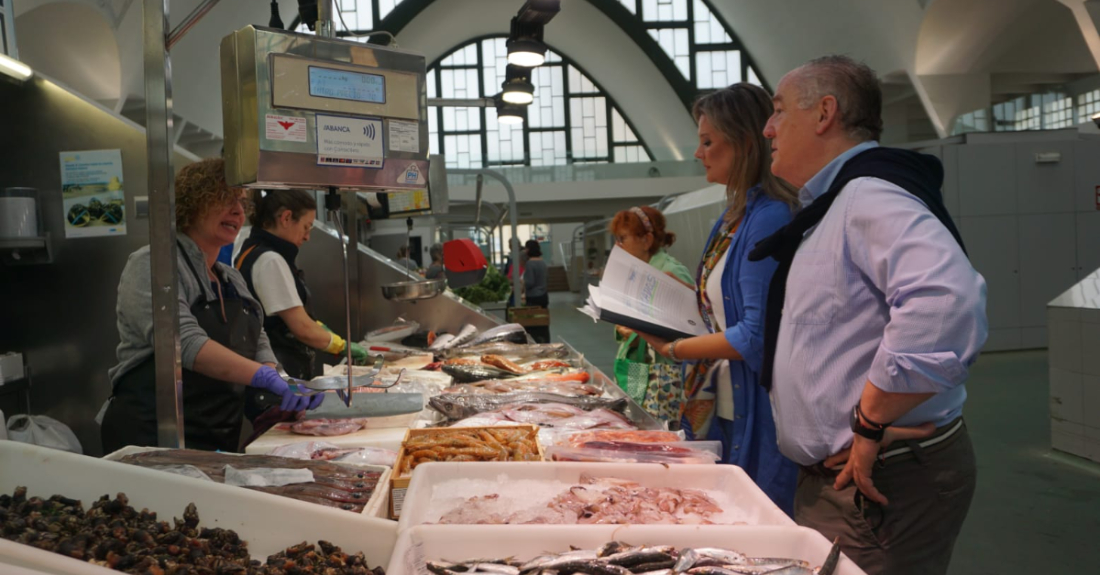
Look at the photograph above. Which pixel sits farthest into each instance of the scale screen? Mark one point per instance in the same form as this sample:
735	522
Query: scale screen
409	202
345	85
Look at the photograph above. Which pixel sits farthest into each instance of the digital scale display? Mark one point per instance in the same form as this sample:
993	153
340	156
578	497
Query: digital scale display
344	85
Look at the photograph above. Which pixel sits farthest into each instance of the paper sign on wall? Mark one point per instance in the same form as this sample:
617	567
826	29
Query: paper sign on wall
351	142
93	193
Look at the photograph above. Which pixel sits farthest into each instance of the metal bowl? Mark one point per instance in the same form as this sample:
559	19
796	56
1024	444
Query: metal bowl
414	290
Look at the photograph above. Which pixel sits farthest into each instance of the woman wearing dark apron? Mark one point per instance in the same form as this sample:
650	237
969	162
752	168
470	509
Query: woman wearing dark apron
223	347
281	222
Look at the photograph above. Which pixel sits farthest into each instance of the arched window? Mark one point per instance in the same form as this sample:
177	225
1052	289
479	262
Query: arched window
703	48
572	120
701	45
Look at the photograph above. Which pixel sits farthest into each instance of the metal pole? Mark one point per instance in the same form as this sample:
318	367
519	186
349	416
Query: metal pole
189	22
512	211
325	26
162	225
350	204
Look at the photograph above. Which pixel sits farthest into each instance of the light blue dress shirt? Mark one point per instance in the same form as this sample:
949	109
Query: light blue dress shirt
879	290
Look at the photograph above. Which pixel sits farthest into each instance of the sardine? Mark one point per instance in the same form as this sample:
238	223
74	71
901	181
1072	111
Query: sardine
776	562
632	557
551	561
512	332
664	565
723	556
589	566
445	567
472	373
495	568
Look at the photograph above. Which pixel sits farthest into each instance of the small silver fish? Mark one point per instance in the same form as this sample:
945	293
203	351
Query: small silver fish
727	556
494	568
639	556
551	561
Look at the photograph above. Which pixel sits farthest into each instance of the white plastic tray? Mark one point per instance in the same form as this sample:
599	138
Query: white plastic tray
377	505
729	479
269	523
459	542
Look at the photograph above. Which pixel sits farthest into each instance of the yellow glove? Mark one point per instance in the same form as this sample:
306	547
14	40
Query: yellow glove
336	344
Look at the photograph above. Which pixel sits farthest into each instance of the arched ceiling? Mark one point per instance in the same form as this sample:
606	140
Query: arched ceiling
87	61
585	35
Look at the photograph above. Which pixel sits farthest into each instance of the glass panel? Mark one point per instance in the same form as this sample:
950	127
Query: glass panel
463	151
505	141
385	6
708	30
674	41
589	121
430	84
1057	111
625	154
1087	105
579	83
548	109
357	15
664	10
494	57
548	148
621	132
753	78
630	5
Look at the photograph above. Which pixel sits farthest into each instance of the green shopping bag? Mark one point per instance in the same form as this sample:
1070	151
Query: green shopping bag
632	368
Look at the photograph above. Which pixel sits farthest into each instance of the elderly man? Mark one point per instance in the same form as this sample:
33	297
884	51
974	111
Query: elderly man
873	318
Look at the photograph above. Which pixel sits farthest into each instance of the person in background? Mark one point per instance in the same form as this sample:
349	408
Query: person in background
724	400
640	231
281	223
404	259
534	284
223	347
874	317
435	271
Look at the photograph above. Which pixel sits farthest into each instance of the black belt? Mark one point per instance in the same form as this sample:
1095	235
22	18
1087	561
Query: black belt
913	448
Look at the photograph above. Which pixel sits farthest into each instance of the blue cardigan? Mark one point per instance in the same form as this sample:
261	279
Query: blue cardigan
753	447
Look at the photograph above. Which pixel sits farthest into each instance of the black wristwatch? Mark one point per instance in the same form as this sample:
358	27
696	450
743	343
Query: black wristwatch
873	433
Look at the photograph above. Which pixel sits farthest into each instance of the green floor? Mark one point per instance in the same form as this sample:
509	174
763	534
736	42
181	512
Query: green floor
1036	511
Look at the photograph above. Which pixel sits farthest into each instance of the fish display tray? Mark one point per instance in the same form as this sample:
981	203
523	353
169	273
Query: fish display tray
424	543
728	479
400	479
385	437
376	506
269	523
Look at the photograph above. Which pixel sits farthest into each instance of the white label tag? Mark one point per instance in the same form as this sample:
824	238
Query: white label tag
411	176
398	496
285	128
404	136
354	142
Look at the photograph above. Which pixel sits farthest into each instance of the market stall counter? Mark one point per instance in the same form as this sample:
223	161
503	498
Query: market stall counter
93	490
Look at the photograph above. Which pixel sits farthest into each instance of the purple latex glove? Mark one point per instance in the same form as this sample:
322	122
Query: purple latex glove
315	401
267	378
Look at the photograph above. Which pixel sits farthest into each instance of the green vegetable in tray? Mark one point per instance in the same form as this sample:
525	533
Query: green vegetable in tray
492	288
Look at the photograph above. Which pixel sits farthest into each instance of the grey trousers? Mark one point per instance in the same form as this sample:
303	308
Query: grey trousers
929	493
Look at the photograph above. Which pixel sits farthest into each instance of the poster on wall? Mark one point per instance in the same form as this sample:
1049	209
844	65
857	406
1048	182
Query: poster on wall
93	193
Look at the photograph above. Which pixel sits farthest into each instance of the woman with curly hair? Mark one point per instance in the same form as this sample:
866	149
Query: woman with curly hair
222	343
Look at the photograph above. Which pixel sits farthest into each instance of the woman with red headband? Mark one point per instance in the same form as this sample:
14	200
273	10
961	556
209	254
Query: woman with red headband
640	231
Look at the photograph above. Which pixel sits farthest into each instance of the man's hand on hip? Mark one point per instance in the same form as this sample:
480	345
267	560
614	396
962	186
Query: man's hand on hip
859	460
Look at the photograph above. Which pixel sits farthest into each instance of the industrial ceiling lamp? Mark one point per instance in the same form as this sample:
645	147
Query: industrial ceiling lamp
14	68
525	46
510	113
517	86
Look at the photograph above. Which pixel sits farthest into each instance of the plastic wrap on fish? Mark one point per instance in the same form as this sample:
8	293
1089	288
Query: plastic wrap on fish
622	452
615	557
572	388
557	415
514	351
598	500
462	405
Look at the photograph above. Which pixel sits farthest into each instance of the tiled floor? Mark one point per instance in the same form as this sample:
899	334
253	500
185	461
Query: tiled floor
1036	511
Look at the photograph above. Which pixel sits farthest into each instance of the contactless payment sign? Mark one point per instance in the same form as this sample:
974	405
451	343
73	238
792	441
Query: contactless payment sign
351	142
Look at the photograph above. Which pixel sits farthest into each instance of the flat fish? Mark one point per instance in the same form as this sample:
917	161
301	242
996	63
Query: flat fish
512	332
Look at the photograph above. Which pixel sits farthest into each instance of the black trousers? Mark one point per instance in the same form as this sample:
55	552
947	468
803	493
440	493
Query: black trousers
539	333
